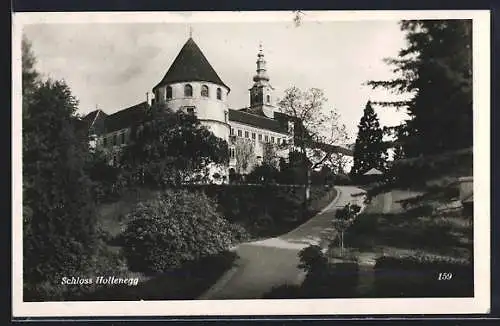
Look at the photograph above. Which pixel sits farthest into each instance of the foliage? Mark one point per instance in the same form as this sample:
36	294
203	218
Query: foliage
187	282
435	70
169	148
263	174
174	228
314	130
324	279
369	149
244	154
59	213
106	178
408	231
269	156
344	218
265	210
312	259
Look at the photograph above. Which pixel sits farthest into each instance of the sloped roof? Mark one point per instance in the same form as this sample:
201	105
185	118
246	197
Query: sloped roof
126	117
256	121
190	65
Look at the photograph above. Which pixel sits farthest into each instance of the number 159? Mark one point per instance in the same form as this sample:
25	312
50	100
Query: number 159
444	276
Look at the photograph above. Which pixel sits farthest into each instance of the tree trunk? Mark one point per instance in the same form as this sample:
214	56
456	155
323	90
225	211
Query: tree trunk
307	193
342	243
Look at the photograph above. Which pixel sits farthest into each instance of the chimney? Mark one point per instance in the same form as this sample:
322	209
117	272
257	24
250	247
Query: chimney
148	100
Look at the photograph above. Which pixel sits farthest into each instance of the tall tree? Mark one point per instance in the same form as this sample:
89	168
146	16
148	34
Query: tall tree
369	149
435	70
244	155
170	148
59	219
269	154
317	131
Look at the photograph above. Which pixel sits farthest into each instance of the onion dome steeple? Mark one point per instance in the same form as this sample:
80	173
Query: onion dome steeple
261	75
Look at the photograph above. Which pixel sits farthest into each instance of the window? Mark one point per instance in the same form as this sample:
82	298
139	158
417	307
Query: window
246	134
188	90
239	133
232	131
123	138
260	137
253	135
114	140
104	141
272	140
219	94
231	152
190	109
268	99
204	91
169	92
225	116
266	138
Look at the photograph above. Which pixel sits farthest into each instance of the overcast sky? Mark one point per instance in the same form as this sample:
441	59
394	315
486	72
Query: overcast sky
114	65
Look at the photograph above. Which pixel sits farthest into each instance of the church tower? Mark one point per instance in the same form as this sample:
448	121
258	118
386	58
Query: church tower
261	93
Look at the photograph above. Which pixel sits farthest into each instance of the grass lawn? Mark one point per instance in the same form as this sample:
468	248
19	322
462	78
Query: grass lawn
401	231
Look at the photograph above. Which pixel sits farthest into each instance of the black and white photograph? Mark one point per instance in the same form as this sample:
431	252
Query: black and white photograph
251	163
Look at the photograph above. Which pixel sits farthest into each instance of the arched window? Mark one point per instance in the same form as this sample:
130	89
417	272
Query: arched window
169	92
188	90
204	91
268	99
219	94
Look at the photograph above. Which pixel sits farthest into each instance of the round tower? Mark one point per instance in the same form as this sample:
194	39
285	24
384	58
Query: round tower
192	85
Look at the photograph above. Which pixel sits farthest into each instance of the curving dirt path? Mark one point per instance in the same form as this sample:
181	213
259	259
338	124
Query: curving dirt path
271	262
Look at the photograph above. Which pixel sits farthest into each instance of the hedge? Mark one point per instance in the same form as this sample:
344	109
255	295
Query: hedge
264	210
418	276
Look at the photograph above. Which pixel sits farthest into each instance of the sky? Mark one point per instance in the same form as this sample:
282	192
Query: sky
111	66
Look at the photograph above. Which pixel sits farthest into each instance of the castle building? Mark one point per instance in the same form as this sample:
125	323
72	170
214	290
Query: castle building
191	84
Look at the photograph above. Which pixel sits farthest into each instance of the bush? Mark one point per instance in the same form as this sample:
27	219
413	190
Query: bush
263	174
312	259
104	262
418	276
264	210
174	228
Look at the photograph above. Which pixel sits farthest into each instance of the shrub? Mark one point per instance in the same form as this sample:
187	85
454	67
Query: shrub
312	259
264	174
337	280
174	228
104	262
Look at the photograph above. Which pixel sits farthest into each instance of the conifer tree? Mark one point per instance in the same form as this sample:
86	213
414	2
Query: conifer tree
435	70
369	149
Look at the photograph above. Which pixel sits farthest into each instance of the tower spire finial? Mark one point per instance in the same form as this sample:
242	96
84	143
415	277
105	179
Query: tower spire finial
190	31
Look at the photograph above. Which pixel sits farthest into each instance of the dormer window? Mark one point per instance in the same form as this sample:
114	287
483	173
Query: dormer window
188	90
219	94
204	91
169	92
268	99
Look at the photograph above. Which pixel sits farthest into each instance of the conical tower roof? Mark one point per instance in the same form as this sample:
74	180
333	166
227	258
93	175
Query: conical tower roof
190	65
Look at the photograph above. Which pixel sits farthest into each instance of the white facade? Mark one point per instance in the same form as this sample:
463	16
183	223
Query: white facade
210	106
